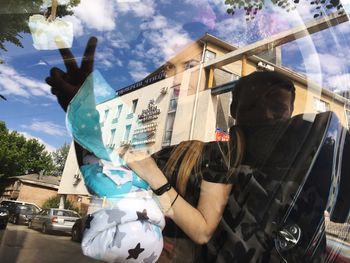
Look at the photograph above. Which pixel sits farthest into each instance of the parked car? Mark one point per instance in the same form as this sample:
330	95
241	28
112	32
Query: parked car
4	217
54	219
20	212
78	229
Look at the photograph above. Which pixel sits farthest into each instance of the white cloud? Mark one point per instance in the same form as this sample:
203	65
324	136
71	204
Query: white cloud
46	127
162	40
13	83
146	8
48	147
157	22
117	40
99	16
107	59
340	82
78	27
235	31
137	70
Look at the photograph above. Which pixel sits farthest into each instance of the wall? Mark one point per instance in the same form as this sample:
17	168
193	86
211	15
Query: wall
68	184
34	194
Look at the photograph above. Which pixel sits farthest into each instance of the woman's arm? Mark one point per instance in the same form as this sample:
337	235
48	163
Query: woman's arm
198	223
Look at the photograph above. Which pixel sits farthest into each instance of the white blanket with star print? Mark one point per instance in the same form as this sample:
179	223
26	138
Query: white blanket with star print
128	230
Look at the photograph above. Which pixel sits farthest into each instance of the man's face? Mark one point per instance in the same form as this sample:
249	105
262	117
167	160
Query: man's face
278	105
275	105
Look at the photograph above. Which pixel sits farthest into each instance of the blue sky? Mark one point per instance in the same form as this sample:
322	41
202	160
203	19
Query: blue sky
137	36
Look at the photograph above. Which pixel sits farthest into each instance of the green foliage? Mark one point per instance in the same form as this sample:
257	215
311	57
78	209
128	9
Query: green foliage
252	7
59	158
19	155
14	16
54	202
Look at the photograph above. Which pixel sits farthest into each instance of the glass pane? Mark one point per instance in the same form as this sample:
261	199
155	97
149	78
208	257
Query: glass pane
242	106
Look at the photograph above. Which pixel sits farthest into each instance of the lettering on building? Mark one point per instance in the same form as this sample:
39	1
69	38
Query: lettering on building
142	83
151	113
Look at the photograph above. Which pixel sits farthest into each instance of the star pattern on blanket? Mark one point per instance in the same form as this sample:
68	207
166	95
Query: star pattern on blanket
115	215
88	221
118	237
135	252
142	216
147	226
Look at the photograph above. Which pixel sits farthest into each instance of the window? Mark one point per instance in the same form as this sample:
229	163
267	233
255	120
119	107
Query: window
132	109
127	133
105	115
171	115
133	106
320	105
174	98
150	50
169	128
209	55
111	139
118	112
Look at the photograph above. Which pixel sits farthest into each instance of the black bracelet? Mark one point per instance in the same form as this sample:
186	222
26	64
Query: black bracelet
161	190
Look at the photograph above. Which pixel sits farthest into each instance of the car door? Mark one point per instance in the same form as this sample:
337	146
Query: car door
39	218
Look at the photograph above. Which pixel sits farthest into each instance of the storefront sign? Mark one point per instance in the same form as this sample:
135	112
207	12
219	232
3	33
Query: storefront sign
142	83
151	113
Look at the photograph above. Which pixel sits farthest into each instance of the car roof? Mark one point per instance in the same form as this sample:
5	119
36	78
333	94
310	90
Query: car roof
19	202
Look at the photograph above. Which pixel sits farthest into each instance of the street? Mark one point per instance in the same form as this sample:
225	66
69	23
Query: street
19	244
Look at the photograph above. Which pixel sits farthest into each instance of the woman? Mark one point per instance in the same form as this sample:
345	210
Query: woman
259	100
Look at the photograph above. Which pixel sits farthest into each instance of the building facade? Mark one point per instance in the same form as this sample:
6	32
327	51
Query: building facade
32	188
183	100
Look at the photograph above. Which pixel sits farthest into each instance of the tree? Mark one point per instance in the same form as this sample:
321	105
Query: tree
19	155
54	202
14	17
252	7
59	158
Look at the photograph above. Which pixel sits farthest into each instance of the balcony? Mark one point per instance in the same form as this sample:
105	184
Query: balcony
130	115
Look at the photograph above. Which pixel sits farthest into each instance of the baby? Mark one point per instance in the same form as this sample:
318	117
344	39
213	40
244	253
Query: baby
127	226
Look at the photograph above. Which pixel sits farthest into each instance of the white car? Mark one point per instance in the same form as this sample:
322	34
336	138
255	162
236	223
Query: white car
54	219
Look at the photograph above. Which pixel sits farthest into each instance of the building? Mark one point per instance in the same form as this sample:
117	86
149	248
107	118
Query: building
33	188
183	100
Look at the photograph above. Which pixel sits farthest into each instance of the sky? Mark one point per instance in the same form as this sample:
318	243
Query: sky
135	37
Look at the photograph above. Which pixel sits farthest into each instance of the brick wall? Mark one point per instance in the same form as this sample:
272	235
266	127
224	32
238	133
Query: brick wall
35	194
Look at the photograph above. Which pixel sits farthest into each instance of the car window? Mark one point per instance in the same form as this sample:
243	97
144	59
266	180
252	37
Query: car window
58	212
71	213
228	119
33	208
44	212
65	213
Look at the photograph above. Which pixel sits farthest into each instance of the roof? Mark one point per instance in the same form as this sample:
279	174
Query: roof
203	39
42	180
217	41
208	38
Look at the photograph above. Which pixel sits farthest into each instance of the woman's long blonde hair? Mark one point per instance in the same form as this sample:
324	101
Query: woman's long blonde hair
187	157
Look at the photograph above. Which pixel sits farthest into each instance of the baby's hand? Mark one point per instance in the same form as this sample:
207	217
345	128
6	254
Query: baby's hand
64	85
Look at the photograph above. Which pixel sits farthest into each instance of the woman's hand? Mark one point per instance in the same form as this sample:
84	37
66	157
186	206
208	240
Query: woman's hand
144	166
64	85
